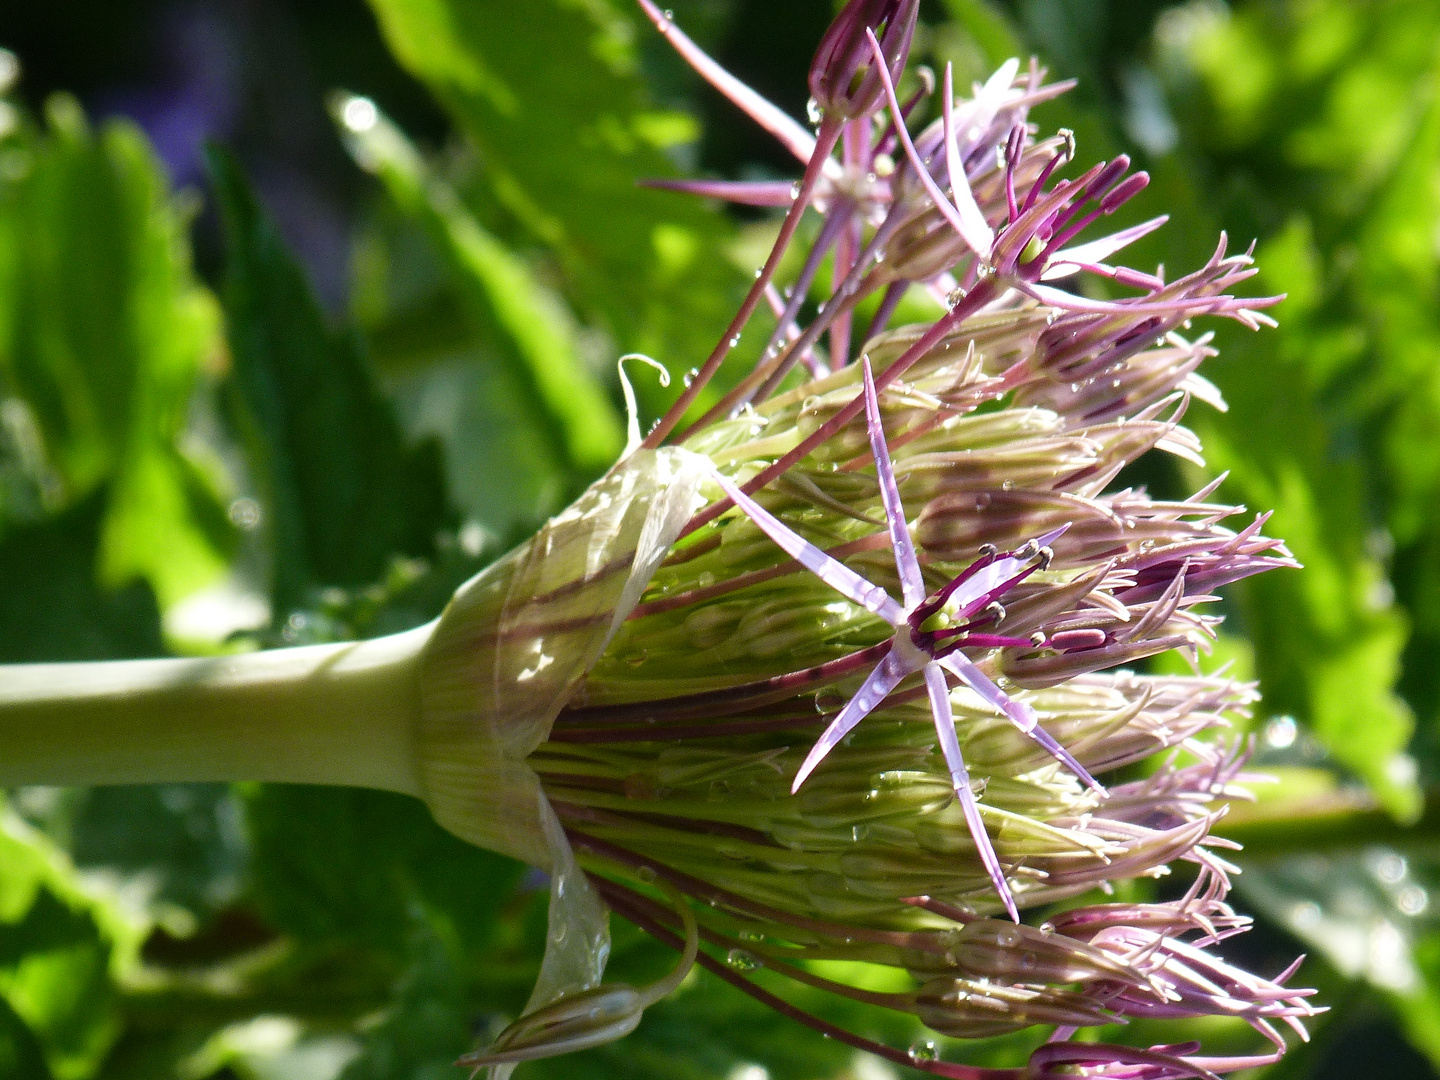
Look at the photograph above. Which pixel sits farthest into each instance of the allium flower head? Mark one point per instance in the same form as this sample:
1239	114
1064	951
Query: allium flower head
846	694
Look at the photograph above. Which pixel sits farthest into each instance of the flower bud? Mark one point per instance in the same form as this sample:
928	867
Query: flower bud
576	1022
842	80
967	1009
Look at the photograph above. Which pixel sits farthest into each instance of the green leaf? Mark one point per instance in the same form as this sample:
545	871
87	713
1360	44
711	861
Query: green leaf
504	304
549	94
103	332
56	944
51	607
342	491
333	864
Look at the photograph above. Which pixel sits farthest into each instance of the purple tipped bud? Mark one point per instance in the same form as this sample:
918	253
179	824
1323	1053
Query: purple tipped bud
1124	192
1106	178
842	77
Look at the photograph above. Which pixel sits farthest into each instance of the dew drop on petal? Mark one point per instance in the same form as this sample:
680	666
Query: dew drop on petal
924	1051
740	960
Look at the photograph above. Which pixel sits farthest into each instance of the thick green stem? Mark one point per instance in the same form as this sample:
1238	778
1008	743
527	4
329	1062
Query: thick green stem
323	714
1328	821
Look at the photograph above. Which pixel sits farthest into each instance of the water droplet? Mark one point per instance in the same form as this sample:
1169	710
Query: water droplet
1074	388
635	659
813	112
646	874
759	270
787	292
740	960
859	832
982	500
829	700
669	15
820	308
1007	939
924	1051
689	379
1412	900
752	936
1029	961
1281	732
559	934
1146	545
1007	485
794	194
735	341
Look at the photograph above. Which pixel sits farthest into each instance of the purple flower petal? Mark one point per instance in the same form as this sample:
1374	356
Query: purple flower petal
831	571
971	593
975	233
911	583
1019	714
744	192
873	690
960	776
1068	260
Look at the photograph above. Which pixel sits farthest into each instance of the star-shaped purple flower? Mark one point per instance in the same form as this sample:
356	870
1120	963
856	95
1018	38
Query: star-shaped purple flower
968	601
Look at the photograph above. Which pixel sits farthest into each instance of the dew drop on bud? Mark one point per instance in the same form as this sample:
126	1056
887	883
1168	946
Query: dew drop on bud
924	1051
740	960
813	112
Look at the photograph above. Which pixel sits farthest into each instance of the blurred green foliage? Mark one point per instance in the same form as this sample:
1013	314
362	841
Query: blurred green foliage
183	462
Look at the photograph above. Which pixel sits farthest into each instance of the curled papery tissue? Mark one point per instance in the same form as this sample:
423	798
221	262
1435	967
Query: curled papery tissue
504	658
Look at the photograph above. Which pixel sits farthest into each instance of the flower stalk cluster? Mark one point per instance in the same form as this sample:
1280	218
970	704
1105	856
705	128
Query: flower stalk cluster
838	670
858	710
